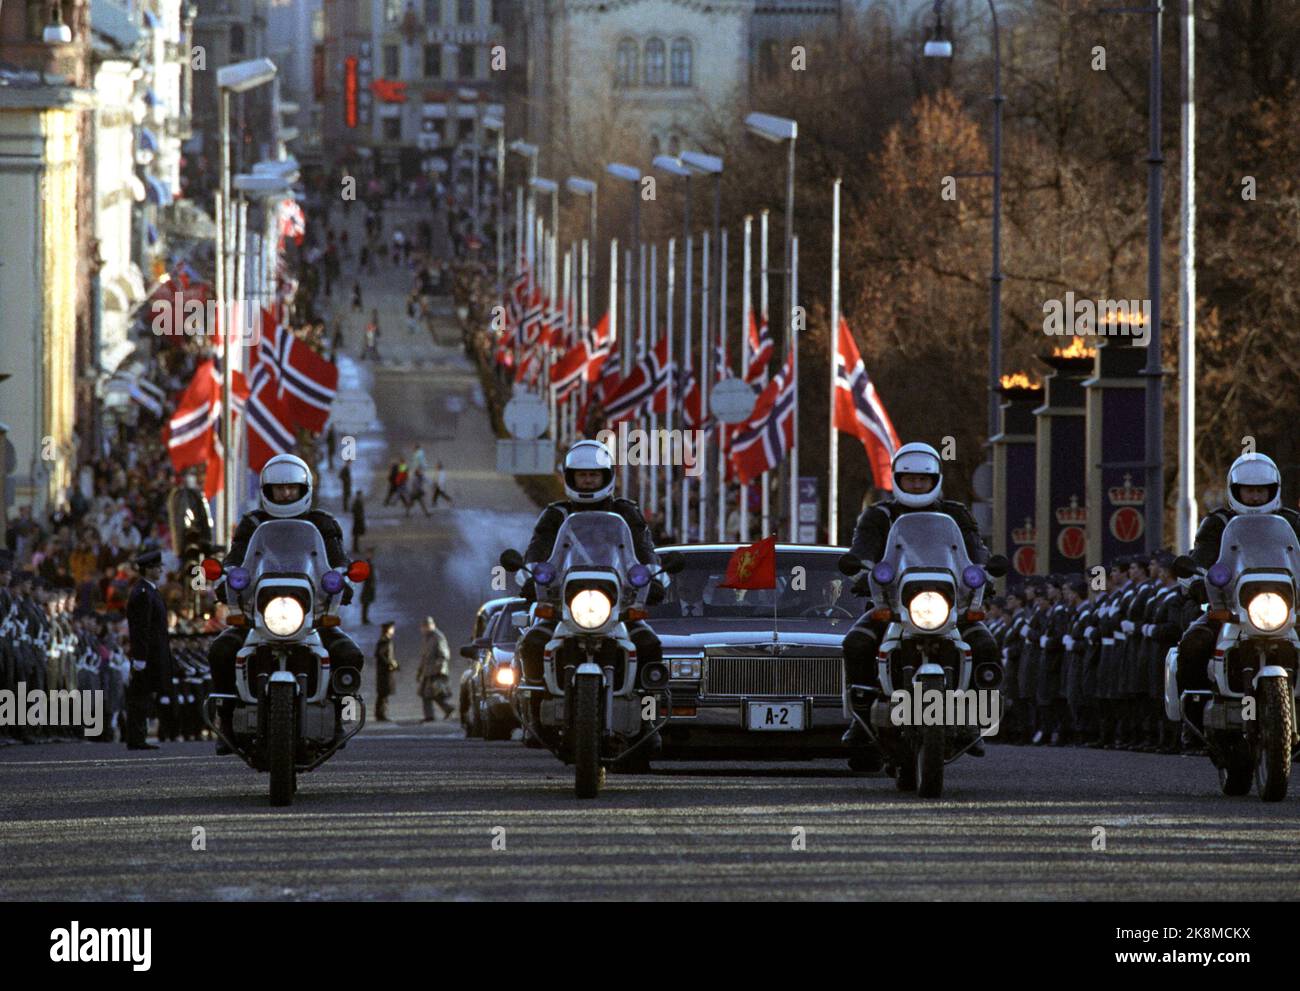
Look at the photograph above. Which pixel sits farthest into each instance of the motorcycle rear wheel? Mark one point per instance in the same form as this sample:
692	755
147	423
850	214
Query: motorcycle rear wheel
280	743
1276	719
588	772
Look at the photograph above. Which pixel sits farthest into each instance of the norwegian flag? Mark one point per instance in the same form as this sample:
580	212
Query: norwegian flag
292	222
270	426
762	442
304	381
859	411
760	350
690	392
600	335
583	361
532	322
530	365
645	382
188	433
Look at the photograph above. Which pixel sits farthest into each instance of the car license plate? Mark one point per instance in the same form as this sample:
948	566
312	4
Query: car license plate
776	716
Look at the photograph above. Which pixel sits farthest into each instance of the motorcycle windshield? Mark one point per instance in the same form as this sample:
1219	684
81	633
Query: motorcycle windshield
286	548
931	541
593	538
1258	543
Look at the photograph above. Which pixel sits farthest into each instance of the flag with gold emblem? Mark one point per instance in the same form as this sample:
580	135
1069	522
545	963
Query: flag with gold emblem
753	566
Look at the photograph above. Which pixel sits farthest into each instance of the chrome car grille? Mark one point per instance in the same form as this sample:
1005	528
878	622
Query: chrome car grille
780	677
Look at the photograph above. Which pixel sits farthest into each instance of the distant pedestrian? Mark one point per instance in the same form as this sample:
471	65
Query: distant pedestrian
398	473
416	493
372	338
440	484
345	479
368	589
337	344
331	439
434	677
358	516
386	668
357	305
418	461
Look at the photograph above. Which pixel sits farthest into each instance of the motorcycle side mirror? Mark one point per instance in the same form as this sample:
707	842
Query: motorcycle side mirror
1185	566
672	562
469	652
997	565
511	560
850	564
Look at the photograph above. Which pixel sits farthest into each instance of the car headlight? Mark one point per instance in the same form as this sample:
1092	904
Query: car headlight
283	615
928	609
505	676
590	608
1268	611
685	668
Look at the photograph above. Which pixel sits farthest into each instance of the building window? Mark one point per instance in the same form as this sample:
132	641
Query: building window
767	61
625	65
465	61
392	66
464	130
496	11
433	61
655	53
392	128
237	40
392	11
682	63
465	11
432	11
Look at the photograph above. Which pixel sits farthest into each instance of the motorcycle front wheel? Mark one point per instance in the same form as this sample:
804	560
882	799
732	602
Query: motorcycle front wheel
280	742
1273	768
589	773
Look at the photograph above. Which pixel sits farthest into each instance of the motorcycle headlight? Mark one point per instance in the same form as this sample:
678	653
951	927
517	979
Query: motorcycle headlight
1267	611
590	608
505	676
283	615
928	609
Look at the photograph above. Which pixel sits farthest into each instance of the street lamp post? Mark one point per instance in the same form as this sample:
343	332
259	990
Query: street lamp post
471	96
776	130
497	125
631	175
586	187
528	151
237	78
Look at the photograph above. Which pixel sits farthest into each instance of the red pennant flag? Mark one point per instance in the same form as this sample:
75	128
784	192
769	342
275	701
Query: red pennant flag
753	566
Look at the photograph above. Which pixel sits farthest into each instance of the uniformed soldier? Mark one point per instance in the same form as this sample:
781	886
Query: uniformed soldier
1031	655
1162	631
28	628
1076	655
1133	671
1013	730
150	649
1108	667
8	655
1052	725
1089	638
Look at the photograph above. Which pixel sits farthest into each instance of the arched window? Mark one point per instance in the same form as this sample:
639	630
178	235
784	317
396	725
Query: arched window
682	67
625	64
655	56
237	39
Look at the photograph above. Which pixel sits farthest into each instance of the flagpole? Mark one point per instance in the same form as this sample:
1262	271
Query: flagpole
833	457
654	416
565	436
628	342
586	286
721	351
686	361
706	372
765	482
642	345
668	416
746	308
613	327
223	534
794	377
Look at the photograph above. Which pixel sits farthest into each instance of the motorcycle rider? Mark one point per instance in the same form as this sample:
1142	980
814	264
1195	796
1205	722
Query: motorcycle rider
284	493
588	473
918	487
1254	486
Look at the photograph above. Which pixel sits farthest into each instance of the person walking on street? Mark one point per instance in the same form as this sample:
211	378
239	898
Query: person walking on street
386	668
416	494
434	676
331	440
358	512
345	479
368	589
372	338
418	460
440	484
151	659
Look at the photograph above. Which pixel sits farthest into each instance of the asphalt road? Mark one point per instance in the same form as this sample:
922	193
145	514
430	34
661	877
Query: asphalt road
411	812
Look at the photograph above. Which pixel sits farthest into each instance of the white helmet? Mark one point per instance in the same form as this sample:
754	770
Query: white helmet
918	459
286	469
1254	469
589	455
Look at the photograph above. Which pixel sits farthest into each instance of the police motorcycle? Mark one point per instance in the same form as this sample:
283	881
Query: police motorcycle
922	588
290	707
1249	716
595	700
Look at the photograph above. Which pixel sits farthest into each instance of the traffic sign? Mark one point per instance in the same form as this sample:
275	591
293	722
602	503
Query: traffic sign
732	400
526	416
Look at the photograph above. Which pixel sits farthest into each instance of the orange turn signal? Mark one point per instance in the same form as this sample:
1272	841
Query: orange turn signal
236	619
1220	615
635	613
974	615
546	611
882	615
330	621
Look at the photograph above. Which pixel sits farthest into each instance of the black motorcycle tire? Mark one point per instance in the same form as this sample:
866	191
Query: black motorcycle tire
1276	723
588	772
929	751
280	742
1235	770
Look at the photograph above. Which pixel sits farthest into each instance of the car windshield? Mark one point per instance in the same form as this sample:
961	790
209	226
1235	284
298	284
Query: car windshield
507	632
1257	542
286	547
593	538
806	585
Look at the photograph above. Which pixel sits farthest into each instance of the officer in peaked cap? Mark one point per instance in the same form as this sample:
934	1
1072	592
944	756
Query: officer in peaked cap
150	651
